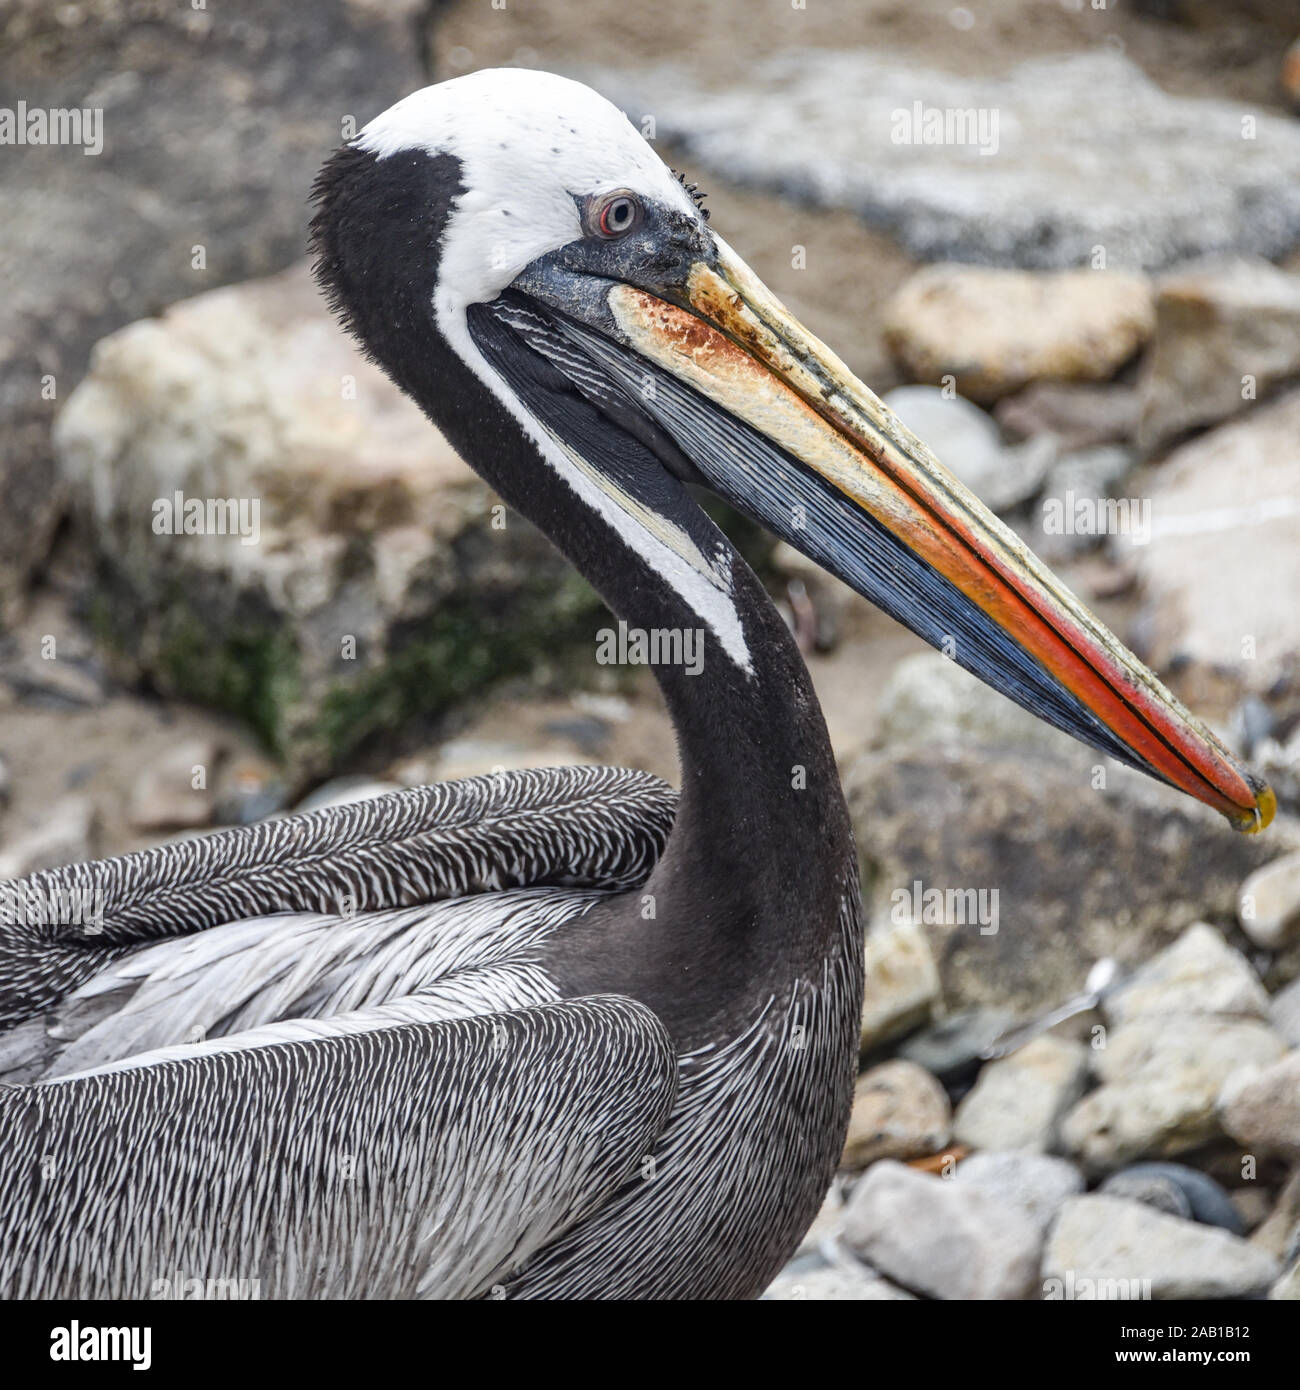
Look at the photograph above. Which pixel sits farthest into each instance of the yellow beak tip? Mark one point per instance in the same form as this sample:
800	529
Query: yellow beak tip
1253	821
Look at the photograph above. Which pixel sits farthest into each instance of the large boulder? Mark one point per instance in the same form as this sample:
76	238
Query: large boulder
371	575
1088	859
214	121
1043	166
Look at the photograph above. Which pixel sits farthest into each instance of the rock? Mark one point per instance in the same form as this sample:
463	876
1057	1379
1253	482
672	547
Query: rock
951	1049
55	683
1224	513
1252	1206
1127	1246
1079	416
930	700
1291	74
1278	762
1018	1102
1199	974
1284	1013
1288	1286
1072	516
378	584
165	796
1035	1182
899	1111
826	1224
1280	1231
833	1283
250	789
1178	1190
940	1237
1177	178
65	836
212	130
343	791
1251	724
1150	1189
1218	323
1269	905
967	791
992	331
1263	1110
473	757
969	444
902	982
1162	1077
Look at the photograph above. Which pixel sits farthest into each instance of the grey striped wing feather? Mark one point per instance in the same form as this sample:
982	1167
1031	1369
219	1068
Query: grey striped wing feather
321	1052
599	827
414	1161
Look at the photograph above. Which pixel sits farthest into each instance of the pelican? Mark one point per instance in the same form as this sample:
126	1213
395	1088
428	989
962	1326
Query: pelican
547	1034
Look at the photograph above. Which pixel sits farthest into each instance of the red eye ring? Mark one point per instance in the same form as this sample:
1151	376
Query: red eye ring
617	215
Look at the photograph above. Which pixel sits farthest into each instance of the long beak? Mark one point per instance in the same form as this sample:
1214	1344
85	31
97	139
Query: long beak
735	344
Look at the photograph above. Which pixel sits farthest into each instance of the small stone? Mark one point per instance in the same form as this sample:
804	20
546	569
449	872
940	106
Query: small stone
1287	1287
899	1111
1281	1228
826	1224
1112	1242
64	837
1252	1205
1269	906
1018	1101
1284	1013
940	1237
833	1283
1199	974
1262	1110
1178	1190
1161	1082
994	331
1039	1183
165	796
250	789
902	982
968	443
1278	762
58	684
1151	1189
1075	513
951	1048
1078	417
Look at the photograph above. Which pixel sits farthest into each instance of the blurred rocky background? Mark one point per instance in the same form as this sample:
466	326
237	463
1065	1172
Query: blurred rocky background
1087	301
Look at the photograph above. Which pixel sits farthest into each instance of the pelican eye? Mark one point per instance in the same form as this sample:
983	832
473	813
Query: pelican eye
616	214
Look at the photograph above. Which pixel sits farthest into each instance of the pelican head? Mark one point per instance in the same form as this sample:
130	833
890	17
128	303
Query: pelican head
512	232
